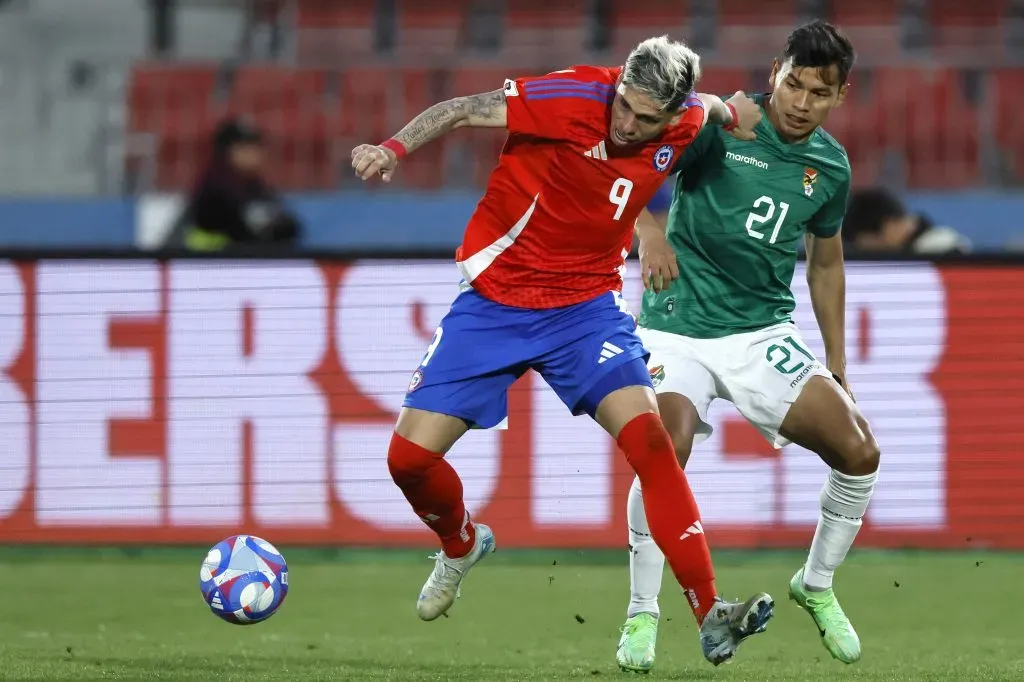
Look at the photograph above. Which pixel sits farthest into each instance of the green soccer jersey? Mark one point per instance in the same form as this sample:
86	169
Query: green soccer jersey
739	211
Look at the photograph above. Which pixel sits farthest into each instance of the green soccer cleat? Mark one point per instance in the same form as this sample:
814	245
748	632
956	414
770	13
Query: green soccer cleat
837	634
636	646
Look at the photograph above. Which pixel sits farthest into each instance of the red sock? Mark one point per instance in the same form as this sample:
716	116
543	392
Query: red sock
435	492
671	510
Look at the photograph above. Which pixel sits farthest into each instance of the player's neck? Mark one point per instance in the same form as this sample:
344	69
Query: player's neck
773	118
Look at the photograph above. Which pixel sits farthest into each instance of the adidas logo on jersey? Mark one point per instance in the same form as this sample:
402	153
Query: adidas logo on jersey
597	152
695	529
749	160
608	351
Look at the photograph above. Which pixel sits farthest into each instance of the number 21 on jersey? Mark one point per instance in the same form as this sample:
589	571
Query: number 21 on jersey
764	210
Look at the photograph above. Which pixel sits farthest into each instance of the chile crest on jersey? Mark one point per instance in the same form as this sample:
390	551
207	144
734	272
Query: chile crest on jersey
663	157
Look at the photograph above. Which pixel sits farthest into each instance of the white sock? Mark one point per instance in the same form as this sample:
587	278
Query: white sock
844	499
646	562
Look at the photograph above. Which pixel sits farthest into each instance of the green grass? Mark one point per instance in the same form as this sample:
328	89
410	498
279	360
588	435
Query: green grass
101	614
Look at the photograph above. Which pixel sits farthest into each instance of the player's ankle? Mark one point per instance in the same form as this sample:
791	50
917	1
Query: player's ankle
458	545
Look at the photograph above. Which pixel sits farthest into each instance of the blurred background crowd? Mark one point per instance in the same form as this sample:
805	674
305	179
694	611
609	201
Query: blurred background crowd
129	122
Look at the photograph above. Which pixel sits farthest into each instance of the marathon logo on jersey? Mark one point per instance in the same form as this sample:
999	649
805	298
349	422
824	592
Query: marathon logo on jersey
657	375
749	160
663	157
810	177
415	381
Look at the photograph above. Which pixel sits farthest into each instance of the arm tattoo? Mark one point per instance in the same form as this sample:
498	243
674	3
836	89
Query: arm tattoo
484	110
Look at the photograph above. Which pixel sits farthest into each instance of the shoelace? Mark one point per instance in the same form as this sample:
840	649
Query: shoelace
442	570
634	626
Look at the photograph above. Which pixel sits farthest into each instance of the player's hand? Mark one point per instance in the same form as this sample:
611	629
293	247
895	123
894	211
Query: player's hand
839	374
370	159
658	266
748	115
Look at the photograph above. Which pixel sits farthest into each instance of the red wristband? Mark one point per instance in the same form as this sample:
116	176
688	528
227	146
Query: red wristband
397	147
731	125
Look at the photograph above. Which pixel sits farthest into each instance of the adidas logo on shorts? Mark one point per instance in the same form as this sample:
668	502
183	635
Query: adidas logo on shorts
608	351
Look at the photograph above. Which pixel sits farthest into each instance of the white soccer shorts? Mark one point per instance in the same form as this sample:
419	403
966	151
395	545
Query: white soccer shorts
760	372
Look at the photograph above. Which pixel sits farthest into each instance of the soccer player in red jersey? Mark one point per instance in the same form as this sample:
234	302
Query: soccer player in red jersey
542	262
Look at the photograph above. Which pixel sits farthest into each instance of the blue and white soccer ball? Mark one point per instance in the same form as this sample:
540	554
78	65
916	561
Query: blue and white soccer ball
244	579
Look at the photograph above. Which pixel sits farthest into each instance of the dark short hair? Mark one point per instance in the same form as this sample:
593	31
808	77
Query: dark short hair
820	45
869	209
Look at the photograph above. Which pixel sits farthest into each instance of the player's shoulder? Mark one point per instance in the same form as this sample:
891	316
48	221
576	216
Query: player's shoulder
607	75
581	73
829	148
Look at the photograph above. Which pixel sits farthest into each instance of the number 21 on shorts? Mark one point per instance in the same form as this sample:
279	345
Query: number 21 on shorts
782	358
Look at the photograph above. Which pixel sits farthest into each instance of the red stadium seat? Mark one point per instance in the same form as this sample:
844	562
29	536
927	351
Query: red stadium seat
1009	124
922	113
540	32
968	31
329	14
327	30
366	104
430	29
158	93
754	30
266	90
872	26
960	13
631	22
761	13
865	13
475	152
723	82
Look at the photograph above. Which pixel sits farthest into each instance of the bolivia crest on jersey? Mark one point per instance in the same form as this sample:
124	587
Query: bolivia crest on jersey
663	157
657	375
810	177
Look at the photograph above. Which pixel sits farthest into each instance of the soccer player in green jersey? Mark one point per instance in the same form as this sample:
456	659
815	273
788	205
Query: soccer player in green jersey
716	319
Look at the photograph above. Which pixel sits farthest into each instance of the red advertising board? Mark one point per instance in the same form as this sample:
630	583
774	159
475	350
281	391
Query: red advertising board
148	402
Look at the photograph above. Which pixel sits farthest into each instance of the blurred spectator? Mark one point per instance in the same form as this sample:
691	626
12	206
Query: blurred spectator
232	204
877	221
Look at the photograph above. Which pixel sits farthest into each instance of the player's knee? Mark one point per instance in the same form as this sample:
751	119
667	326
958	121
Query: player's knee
682	443
407	460
860	457
646	443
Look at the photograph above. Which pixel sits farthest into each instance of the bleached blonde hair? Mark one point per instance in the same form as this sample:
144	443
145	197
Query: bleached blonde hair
665	70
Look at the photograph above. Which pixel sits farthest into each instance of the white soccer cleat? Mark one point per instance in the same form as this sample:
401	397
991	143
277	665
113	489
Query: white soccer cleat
442	587
729	623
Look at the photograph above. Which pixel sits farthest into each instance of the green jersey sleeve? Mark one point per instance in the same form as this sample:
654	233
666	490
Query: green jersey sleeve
829	218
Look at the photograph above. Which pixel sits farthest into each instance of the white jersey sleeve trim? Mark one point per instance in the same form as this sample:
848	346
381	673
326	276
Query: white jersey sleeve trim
472	267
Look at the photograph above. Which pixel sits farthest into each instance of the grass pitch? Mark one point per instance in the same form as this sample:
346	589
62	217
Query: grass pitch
89	614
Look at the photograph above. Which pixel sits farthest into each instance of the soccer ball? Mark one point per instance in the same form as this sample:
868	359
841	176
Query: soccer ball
244	579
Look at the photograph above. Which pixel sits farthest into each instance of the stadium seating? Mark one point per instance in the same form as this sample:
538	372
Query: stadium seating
631	21
902	122
427	29
332	31
967	31
915	118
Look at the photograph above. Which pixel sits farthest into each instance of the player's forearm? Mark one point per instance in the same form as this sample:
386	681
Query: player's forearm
648	221
486	110
717	111
827	284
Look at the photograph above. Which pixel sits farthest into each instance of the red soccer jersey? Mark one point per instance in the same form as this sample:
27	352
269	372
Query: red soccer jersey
556	222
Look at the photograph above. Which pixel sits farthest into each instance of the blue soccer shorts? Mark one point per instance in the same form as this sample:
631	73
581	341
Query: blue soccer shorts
583	351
